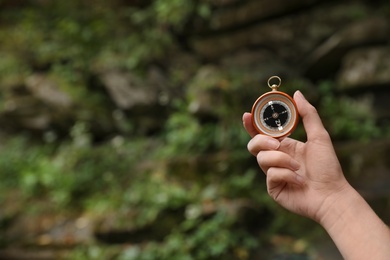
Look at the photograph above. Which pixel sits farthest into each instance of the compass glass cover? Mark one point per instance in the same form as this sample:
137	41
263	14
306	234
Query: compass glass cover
275	115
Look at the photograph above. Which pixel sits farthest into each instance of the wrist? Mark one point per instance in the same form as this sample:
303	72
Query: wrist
354	227
337	205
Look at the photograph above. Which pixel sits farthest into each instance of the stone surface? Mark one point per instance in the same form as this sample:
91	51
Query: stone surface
206	91
291	37
365	67
367	166
25	113
221	3
325	60
36	106
130	91
127	90
47	91
255	10
48	229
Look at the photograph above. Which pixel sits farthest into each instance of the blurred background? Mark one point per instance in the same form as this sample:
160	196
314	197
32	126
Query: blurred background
121	133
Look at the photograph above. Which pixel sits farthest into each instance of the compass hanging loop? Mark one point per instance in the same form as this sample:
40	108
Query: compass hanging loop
274	86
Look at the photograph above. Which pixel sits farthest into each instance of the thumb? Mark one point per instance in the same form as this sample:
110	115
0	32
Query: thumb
310	118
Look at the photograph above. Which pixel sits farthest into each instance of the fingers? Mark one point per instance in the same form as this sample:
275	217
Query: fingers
247	122
269	159
310	118
262	142
277	178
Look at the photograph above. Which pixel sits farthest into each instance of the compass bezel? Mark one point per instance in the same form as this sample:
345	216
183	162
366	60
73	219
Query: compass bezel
258	114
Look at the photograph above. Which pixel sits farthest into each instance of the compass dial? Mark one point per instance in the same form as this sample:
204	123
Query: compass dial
275	114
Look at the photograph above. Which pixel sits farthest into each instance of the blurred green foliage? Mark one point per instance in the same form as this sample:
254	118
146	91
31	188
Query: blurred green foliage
348	118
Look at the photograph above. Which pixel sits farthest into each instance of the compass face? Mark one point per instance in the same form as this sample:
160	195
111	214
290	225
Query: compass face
275	114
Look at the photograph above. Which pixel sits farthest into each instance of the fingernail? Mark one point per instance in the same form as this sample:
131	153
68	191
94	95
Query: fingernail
301	95
273	143
243	116
295	165
300	179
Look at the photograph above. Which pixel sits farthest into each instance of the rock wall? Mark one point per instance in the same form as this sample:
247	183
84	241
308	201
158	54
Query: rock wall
220	62
236	49
219	67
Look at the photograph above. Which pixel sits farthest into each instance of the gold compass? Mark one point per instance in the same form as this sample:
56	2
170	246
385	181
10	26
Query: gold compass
275	113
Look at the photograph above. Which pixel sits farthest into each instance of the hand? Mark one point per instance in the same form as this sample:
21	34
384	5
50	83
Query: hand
306	178
302	177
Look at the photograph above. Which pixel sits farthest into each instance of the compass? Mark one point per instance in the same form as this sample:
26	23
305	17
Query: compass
275	113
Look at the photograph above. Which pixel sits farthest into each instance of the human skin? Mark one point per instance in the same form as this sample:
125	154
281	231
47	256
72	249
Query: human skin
307	179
